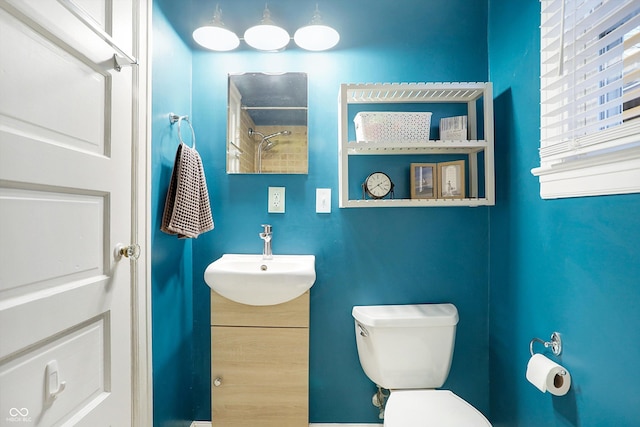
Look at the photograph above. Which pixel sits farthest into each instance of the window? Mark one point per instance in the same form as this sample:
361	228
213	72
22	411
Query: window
590	98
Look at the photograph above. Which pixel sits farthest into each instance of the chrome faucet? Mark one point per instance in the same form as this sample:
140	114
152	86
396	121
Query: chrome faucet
266	236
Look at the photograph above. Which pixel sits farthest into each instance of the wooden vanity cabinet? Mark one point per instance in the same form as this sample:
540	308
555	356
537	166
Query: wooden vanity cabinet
260	363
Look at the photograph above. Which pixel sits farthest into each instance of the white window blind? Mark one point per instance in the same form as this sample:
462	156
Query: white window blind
590	94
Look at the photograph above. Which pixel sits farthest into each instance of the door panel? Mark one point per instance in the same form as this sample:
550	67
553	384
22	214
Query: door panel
71	245
65	203
85	384
50	103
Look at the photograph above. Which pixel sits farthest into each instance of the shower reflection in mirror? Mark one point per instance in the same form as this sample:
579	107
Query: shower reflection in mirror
267	123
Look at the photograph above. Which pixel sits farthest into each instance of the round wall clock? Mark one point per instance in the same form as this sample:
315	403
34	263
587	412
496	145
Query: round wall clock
378	185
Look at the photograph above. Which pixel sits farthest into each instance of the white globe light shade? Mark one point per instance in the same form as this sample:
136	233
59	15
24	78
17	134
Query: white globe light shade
316	37
267	37
216	38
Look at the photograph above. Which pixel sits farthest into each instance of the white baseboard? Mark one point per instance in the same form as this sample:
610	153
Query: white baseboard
208	424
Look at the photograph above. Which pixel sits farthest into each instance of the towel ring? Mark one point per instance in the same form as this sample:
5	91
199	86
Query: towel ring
176	118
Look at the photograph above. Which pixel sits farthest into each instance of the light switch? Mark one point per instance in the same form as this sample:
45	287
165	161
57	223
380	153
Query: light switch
323	200
276	200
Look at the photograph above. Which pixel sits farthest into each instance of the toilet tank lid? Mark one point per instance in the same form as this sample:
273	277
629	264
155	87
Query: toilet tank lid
407	315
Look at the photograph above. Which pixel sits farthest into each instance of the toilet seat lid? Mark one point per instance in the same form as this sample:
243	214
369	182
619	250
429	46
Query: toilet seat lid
426	408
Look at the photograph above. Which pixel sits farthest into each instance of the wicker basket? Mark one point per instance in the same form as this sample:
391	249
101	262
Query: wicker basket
392	126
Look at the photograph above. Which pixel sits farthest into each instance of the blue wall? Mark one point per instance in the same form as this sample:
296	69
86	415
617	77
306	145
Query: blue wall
363	256
565	265
172	260
556	265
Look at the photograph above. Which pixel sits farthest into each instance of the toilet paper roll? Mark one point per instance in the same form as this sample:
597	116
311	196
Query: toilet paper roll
547	375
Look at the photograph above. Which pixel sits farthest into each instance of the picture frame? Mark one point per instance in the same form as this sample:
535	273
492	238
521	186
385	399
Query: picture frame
424	181
451	182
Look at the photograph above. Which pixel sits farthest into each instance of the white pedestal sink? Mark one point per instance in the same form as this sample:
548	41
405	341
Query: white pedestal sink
252	280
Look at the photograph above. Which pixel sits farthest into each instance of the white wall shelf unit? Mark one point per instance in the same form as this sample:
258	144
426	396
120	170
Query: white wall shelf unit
416	93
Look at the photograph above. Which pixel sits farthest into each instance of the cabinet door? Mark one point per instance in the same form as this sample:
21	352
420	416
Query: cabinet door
264	376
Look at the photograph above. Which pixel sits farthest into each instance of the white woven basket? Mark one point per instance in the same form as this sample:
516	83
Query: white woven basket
392	126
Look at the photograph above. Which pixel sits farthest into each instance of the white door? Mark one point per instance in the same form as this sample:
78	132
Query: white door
65	202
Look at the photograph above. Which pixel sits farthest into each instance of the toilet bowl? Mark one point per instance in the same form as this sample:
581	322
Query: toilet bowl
408	349
430	408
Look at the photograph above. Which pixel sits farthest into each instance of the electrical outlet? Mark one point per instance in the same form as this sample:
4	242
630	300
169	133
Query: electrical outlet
323	200
276	200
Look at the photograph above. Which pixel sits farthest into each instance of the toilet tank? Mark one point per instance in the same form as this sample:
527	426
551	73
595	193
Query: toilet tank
406	346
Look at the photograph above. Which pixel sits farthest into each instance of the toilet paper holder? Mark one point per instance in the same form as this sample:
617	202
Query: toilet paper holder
555	344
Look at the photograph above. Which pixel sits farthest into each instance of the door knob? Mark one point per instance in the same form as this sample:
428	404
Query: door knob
131	251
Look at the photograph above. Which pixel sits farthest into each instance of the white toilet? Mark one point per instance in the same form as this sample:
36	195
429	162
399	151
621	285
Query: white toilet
408	349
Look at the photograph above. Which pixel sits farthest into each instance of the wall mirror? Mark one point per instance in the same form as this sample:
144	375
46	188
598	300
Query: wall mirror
267	123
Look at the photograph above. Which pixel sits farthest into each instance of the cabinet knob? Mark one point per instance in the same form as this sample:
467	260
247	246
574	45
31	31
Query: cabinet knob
217	382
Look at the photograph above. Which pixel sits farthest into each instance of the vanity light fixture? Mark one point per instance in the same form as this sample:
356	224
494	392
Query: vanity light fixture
216	36
266	35
316	36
